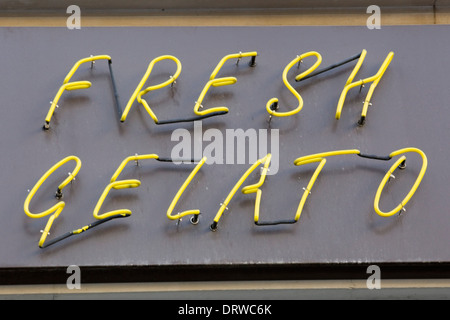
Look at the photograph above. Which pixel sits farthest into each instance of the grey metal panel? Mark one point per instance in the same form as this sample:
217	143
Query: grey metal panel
338	225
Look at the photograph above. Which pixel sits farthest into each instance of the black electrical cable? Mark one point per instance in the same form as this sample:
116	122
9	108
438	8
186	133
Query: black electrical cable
212	114
371	156
116	95
83	229
375	157
273	223
330	67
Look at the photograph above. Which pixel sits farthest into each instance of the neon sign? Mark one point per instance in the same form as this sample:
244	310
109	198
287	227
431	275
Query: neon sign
272	109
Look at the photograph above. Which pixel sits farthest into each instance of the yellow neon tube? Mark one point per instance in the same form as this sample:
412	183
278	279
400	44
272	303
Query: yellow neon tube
81	61
307	191
357	67
122	184
132	158
254	187
218	82
215	83
320	157
239	55
57	208
272	104
76	85
118	185
413	189
137	94
375	79
134	183
236	187
180	192
311	182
